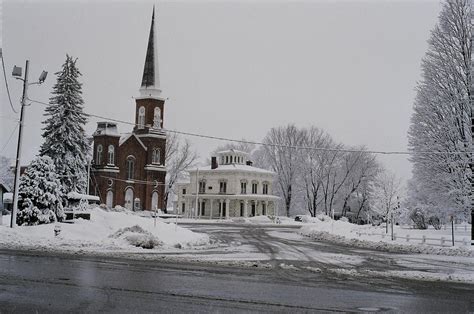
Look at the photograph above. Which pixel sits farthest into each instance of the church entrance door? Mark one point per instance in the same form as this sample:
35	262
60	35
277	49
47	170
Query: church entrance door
129	199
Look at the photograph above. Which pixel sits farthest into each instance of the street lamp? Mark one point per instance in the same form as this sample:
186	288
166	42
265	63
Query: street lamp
16	73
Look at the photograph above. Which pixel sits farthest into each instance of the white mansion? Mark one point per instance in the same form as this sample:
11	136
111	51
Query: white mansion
229	187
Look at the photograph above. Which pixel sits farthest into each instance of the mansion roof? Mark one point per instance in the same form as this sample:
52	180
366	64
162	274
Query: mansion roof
233	168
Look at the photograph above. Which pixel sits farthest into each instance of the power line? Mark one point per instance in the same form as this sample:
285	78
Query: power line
9	138
212	137
9	118
6	82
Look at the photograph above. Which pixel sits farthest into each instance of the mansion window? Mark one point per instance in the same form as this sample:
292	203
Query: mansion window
265	188
222	187
254	187
99	154
130	167
243	187
141	117
156	156
111	155
184	191
202	186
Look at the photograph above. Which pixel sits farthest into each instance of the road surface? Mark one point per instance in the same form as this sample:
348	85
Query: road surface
44	282
65	284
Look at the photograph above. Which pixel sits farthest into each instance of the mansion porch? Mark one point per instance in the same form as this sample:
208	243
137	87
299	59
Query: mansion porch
222	206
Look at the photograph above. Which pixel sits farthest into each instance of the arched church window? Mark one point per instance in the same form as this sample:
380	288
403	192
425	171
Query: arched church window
130	167
98	158
141	117
157	118
111	155
155	157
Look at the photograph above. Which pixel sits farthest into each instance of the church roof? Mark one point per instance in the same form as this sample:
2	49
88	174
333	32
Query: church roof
127	136
151	80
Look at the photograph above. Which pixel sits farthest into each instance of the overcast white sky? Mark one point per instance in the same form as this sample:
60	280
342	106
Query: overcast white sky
232	69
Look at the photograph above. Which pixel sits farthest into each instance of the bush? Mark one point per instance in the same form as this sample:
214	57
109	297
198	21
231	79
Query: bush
435	222
33	216
138	237
40	192
418	219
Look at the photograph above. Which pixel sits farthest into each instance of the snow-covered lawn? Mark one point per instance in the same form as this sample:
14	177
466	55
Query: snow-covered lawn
105	231
406	239
257	220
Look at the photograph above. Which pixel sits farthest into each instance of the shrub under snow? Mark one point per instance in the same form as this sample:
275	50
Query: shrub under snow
138	237
40	193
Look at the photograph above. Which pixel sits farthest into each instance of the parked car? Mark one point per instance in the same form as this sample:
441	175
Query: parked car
299	218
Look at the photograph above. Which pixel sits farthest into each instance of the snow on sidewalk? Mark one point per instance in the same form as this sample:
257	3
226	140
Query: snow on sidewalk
367	236
99	234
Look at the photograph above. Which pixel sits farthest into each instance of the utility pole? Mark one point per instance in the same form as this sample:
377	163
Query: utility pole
17	74
471	101
18	147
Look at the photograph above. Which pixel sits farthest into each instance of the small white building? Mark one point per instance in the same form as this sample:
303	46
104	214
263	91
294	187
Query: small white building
229	187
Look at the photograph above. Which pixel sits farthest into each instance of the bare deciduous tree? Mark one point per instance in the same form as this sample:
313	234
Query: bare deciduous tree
179	157
440	122
282	158
387	188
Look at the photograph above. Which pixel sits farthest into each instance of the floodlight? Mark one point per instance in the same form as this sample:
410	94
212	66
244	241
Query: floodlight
43	76
16	71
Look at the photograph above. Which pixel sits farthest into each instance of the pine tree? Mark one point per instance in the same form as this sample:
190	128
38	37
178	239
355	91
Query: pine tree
65	140
440	122
40	193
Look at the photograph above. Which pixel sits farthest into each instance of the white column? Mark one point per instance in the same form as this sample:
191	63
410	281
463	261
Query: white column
246	213
199	208
227	208
210	213
266	208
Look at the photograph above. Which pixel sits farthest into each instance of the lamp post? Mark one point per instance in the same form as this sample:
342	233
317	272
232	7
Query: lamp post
17	74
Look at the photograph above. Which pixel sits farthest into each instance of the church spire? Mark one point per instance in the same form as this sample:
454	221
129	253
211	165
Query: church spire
151	80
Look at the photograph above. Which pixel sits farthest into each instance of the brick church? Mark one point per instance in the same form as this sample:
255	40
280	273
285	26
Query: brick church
129	169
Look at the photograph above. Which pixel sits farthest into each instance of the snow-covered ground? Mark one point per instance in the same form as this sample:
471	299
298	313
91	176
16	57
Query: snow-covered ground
406	239
257	220
105	231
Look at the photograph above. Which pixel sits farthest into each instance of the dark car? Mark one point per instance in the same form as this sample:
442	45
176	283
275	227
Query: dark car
299	218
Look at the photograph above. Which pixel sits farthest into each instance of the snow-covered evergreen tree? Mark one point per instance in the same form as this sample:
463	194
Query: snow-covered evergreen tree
40	193
440	123
65	140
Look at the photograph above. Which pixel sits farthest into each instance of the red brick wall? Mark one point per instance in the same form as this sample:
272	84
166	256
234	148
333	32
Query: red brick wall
131	147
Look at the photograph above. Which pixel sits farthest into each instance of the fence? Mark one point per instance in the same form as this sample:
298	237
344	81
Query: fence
443	241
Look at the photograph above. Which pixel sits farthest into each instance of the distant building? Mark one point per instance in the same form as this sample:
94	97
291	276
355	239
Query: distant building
229	187
5	199
129	170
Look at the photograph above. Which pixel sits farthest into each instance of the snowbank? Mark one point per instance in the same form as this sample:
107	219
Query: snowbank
102	232
374	237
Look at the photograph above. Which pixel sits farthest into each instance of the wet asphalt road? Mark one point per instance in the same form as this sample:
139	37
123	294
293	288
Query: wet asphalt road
32	282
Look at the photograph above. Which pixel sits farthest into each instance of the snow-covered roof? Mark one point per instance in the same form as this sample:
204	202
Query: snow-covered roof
106	128
233	167
7	198
79	196
6	186
232	151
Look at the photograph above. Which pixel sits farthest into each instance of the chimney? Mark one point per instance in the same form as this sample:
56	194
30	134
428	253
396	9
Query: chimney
249	163
214	163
